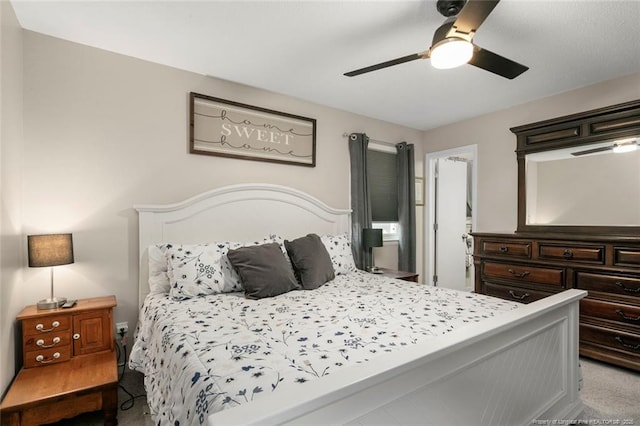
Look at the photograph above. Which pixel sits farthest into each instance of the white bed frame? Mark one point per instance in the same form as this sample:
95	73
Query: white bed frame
519	367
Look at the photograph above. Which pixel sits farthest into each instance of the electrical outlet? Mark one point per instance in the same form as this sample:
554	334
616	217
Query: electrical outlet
122	327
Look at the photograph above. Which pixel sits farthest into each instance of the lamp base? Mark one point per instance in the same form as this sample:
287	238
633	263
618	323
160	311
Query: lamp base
51	303
375	270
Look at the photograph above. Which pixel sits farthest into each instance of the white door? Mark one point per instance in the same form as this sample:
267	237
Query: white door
451	218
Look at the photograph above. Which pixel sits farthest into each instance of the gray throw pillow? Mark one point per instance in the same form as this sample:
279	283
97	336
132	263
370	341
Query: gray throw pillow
264	270
310	260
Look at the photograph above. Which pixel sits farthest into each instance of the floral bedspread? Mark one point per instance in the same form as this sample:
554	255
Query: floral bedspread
214	352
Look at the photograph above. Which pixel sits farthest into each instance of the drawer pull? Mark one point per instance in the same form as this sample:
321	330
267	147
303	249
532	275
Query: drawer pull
55	341
567	254
519	297
634	347
54	325
76	336
504	249
619	312
627	289
518	274
41	360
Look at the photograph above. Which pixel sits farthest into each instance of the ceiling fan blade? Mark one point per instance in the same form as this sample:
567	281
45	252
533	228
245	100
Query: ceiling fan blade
592	151
473	15
495	63
386	64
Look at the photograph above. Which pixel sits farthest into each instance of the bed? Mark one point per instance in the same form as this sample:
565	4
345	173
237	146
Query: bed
326	356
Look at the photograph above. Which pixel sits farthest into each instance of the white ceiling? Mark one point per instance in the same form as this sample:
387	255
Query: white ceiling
302	48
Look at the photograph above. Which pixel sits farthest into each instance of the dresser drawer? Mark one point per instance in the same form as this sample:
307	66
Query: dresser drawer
624	256
588	254
507	248
599	309
47	340
614	284
524	273
514	293
49	324
49	356
611	338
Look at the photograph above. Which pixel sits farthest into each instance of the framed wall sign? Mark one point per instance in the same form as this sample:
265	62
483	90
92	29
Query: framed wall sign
231	129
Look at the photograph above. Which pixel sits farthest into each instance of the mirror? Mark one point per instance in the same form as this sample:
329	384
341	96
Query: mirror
581	173
584	186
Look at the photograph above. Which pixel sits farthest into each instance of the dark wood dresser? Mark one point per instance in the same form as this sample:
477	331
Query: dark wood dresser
527	267
576	228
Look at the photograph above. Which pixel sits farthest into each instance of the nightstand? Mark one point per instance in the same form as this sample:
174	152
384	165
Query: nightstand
69	365
401	275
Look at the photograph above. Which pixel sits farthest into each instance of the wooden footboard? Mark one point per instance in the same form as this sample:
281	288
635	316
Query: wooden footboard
516	368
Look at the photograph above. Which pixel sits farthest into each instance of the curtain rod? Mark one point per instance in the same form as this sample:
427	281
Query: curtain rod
346	135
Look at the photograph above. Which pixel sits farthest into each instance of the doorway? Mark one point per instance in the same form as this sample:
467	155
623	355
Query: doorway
450	217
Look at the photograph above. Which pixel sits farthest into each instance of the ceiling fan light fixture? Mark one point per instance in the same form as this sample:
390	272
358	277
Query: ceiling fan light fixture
451	52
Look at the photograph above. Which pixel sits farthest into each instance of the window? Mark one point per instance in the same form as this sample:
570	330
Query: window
390	230
383	188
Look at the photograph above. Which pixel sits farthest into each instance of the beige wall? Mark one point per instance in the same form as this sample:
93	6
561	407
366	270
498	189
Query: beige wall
497	167
11	242
104	132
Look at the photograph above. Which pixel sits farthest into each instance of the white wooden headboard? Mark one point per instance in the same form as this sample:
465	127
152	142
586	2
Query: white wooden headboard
241	213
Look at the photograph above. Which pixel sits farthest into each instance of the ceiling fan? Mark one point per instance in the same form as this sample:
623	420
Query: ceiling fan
453	45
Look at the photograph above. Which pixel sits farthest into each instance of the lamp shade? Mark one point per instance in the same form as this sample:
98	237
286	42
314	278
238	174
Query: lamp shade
371	237
50	250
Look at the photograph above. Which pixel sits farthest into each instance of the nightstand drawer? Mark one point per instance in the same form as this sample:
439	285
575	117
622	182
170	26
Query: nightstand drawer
44	357
587	254
510	249
524	273
613	284
45	324
49	340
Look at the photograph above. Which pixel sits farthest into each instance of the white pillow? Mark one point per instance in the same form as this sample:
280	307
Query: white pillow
158	278
339	248
195	269
202	269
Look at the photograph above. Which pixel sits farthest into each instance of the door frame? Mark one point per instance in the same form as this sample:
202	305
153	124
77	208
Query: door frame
429	211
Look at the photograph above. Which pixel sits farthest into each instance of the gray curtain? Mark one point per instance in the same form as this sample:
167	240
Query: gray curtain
406	207
360	199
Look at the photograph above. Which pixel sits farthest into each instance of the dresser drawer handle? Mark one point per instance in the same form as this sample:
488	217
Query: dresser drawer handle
54	325
519	297
54	341
567	254
619	312
41	360
627	289
504	249
518	274
634	347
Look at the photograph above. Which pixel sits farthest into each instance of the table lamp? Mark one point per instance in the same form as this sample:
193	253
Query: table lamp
371	238
50	250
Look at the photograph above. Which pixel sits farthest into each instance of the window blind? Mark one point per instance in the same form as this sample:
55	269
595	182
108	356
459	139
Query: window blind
383	186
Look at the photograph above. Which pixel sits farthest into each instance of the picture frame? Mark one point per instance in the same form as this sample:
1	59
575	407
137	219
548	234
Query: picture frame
419	186
226	128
